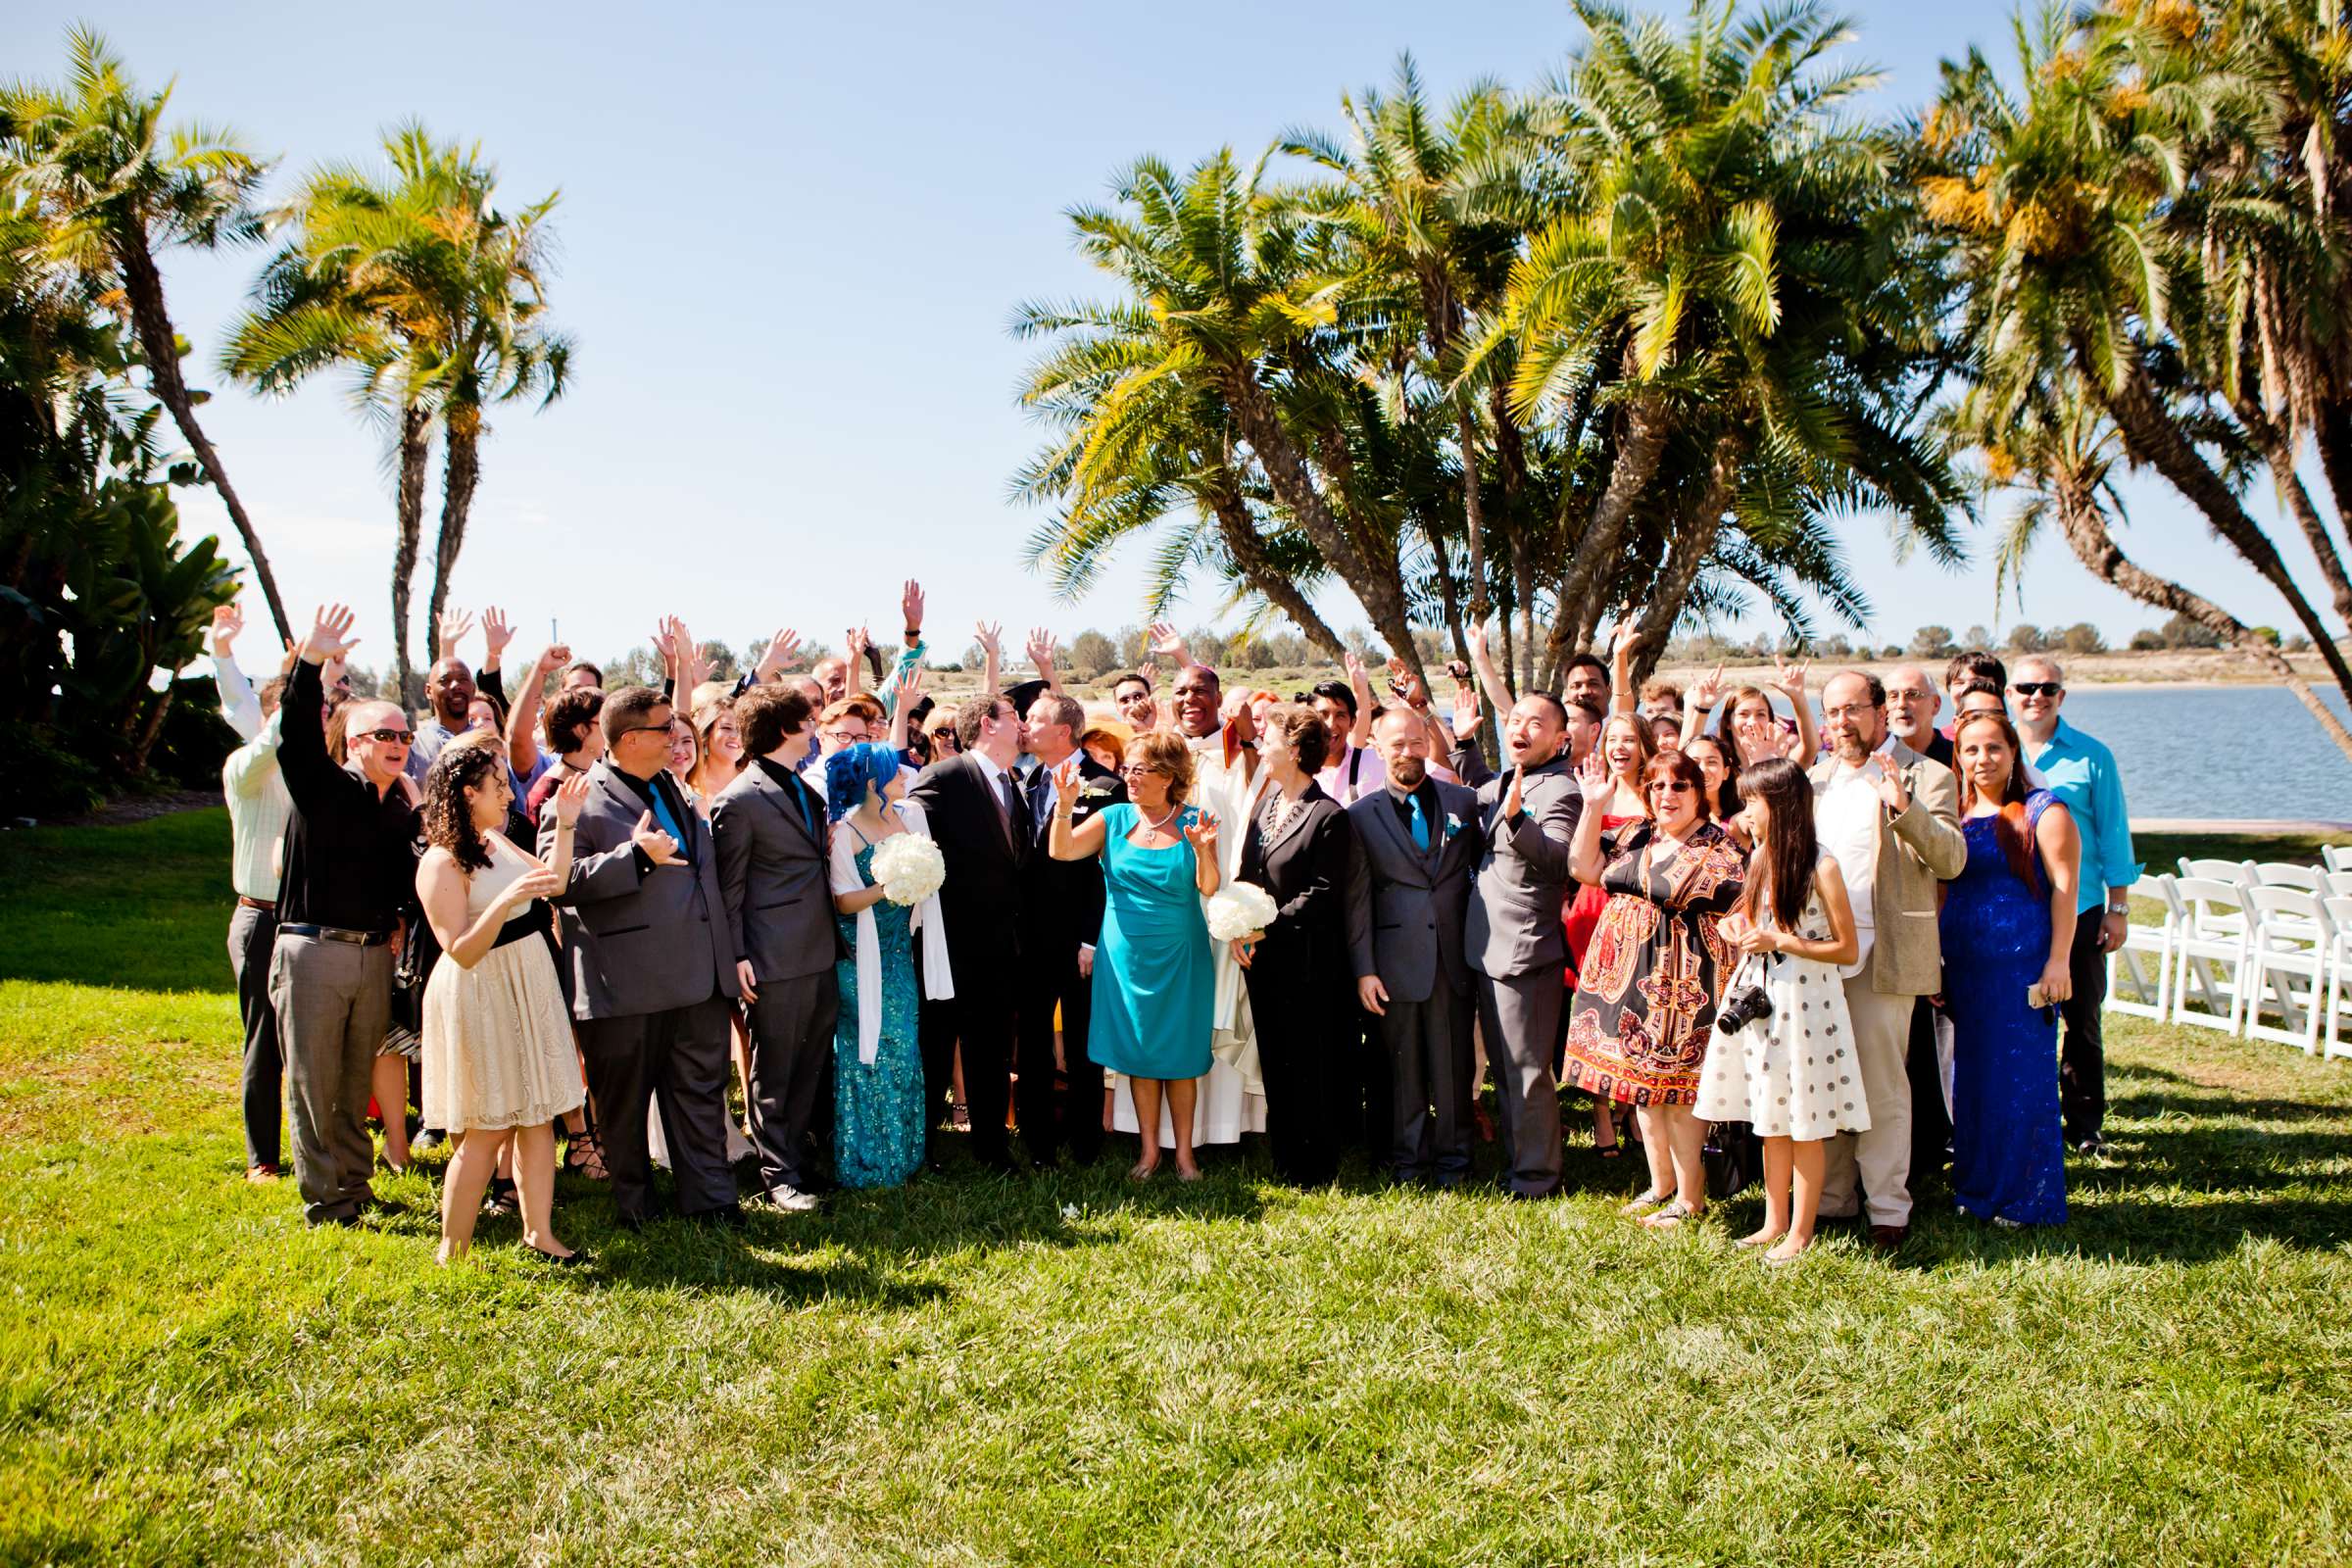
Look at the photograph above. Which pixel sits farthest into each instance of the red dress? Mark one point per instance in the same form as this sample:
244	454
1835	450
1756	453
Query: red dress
1582	915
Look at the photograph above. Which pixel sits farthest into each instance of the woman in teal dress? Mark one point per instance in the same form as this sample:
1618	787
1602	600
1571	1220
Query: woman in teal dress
1154	987
878	1121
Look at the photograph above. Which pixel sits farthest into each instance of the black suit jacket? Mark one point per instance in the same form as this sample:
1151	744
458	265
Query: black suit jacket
981	898
1305	869
1062	899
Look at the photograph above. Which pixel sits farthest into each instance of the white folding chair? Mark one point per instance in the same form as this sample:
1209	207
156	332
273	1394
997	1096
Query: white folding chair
2132	988
2338	857
2287	966
2238	873
2209	951
2339	885
2281	874
2339	969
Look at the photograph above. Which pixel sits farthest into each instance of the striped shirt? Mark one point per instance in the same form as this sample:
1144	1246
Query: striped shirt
258	808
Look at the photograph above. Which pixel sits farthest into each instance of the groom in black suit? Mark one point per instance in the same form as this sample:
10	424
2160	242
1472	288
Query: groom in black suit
980	819
1063	908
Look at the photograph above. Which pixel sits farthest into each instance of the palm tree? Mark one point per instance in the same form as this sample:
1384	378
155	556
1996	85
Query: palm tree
112	188
2058	207
1722	284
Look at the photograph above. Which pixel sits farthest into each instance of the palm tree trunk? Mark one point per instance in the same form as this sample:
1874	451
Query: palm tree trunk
1686	555
1382	593
2086	530
415	445
1240	533
2279	451
1510	455
1590	557
143	285
153	727
2154	439
1474	511
461	471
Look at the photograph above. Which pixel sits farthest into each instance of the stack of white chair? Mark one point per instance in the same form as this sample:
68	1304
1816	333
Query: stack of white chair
2242	945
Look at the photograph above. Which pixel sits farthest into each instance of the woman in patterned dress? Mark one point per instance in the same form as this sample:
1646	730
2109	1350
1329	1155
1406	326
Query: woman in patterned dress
1625	748
1645	995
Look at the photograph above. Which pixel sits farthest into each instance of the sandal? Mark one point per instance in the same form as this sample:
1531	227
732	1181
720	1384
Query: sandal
1671	1215
960	1118
499	1198
1648	1199
583	1155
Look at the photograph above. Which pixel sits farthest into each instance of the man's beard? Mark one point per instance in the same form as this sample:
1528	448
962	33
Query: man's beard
1410	771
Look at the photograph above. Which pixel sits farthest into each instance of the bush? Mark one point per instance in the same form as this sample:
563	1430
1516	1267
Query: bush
2147	640
2025	638
2081	638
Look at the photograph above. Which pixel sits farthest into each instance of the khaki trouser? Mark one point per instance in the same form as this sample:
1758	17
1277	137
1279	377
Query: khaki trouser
333	1003
1882	1157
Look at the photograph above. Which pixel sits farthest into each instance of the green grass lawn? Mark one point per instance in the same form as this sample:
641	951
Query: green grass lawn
1065	1370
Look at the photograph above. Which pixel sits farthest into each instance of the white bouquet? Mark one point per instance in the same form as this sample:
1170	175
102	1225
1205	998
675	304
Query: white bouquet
1240	909
910	868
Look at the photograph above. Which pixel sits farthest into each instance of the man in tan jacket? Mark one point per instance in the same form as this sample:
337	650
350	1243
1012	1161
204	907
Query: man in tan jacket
1893	819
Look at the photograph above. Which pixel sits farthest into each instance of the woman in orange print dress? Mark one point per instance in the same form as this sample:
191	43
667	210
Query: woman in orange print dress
1646	992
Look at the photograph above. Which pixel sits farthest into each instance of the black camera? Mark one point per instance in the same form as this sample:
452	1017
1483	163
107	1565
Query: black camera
1743	1006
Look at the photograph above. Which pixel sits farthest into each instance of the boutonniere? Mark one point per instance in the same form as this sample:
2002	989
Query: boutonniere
1095	789
1453	825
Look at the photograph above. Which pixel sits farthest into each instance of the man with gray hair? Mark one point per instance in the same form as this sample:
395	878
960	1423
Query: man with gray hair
1912	704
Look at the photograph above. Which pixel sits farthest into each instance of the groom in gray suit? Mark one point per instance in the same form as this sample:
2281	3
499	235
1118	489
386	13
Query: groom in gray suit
1418	845
773	873
1516	941
653	966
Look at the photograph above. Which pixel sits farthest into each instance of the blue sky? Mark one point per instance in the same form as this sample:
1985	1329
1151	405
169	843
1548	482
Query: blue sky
791	237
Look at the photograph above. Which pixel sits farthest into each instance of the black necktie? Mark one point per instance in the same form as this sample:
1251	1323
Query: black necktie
1023	823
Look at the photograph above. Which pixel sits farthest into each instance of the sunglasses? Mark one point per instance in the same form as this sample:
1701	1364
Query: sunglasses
2035	688
387	736
1669	786
647	729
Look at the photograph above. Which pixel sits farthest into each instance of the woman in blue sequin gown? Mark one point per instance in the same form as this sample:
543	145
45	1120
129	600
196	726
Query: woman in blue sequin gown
2007	925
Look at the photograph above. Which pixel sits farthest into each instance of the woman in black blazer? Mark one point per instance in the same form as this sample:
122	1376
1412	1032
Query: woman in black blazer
1301	988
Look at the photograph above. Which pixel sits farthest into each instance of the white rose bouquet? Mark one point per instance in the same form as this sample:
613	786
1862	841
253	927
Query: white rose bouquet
1240	909
910	868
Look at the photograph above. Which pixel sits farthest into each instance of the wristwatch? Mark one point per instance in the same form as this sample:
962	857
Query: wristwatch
2119	908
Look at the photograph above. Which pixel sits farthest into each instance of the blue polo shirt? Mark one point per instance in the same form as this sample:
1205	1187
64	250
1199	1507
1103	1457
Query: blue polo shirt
2083	775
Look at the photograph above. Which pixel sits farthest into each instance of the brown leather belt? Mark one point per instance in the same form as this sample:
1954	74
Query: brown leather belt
269	905
336	933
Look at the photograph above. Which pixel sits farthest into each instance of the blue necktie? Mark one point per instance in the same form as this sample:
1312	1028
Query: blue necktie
1420	823
669	825
800	797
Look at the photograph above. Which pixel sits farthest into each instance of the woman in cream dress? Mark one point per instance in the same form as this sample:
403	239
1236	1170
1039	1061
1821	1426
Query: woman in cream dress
498	1056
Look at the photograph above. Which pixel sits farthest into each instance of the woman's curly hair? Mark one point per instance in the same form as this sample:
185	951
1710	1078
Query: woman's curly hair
448	819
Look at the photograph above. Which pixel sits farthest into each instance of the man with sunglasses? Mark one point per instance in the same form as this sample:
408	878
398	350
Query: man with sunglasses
653	965
2082	773
350	876
1891	819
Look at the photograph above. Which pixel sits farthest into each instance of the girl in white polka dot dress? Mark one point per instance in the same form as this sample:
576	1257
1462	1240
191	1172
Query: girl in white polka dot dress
1792	1073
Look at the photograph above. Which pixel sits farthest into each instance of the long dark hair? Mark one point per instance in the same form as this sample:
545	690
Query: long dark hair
448	819
2009	829
1780	869
1726	794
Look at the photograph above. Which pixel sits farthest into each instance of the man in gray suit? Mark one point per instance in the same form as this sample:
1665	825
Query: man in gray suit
653	965
773	876
1408	884
1516	942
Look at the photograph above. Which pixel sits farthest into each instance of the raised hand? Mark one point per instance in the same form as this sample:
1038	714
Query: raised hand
856	639
1511	797
552	658
1474	638
1150	672
453	626
1066	791
570	796
906	686
782	650
1707	692
665	648
1201	834
1416	695
990	635
331	635
291	658
1041	649
496	634
1352	664
659	847
1465	711
1592	779
1890	785
228	620
1790	679
910	607
693	667
1168	642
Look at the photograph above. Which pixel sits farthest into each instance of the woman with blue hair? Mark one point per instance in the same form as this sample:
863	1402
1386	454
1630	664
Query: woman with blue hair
879	1119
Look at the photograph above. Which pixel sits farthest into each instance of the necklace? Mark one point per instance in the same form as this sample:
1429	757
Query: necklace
1161	825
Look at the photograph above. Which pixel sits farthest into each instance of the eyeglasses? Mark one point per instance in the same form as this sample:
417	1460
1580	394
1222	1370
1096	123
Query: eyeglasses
1908	695
2035	688
389	737
1138	770
1669	786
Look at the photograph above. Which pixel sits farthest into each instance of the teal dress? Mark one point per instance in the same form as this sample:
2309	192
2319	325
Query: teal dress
878	1108
1155	985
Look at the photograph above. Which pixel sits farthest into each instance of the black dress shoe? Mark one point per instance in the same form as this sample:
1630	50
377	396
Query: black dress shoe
2093	1146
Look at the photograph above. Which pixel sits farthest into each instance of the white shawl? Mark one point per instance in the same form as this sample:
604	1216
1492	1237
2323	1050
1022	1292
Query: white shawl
938	984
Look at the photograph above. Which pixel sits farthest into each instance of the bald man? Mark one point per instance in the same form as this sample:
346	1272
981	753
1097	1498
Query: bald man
350	876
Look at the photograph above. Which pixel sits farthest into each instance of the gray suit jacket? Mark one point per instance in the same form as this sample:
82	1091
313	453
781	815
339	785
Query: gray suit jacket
639	938
1405	906
774	877
1522	880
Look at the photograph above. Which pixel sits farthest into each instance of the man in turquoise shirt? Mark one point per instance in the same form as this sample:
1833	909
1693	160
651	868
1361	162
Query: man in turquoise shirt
2083	775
